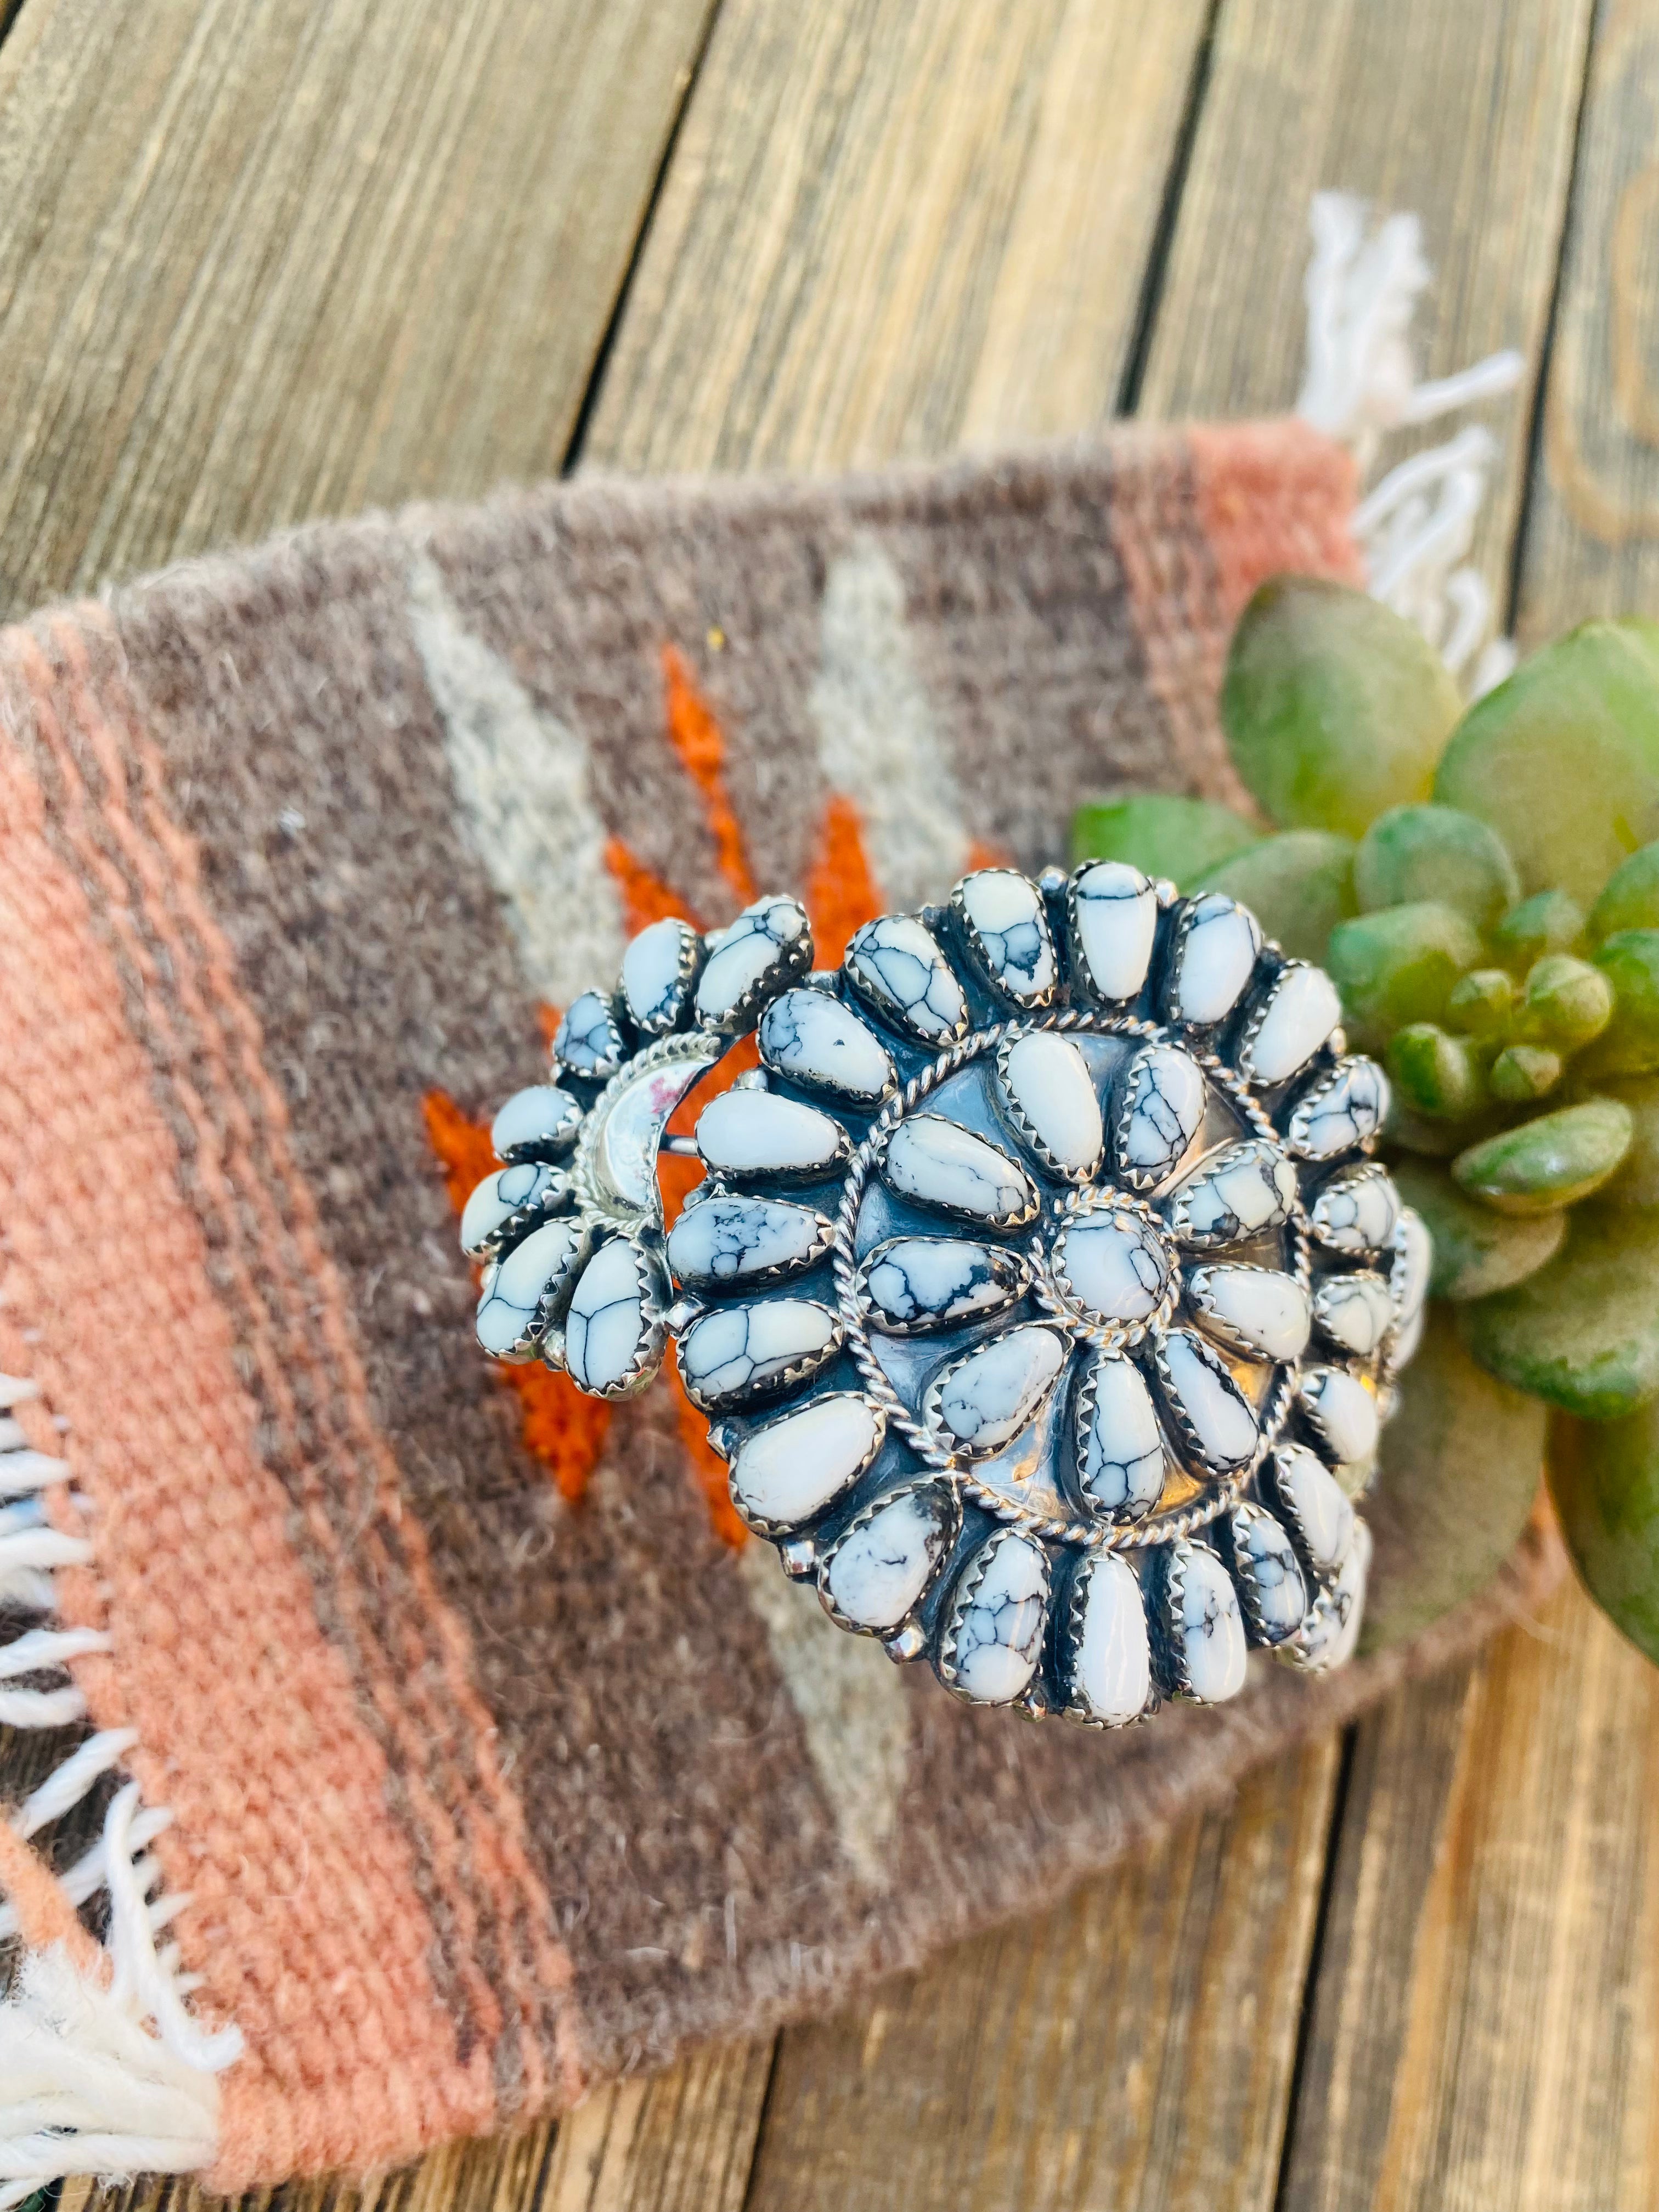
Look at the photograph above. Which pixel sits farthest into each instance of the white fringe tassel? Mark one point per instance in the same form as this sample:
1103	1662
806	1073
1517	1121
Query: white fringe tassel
108	2079
1416	527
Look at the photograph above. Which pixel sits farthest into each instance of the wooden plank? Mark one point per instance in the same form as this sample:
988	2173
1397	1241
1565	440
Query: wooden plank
892	225
264	260
1130	2048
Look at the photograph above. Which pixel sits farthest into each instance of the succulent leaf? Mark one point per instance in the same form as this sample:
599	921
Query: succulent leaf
1553	1160
1335	708
1604	1478
1636	1182
1522	1072
1298	885
1160	833
1476	1251
1482	1004
1416	853
1630	897
1565	1002
1399	966
1630	960
1548	921
1434	1074
1584	1331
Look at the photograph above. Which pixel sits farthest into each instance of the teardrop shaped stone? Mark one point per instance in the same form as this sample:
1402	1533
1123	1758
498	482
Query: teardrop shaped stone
1259	1311
914	1283
587	1041
814	1039
1354	1311
1302	1010
751	959
981	1402
1320	1514
1212	1411
992	1631
656	975
719	1240
1268	1574
878	1571
1343	1111
1215	958
613	1332
790	1469
539	1123
898	967
1120	1456
1008	930
1332	1627
521	1289
1051	1096
1231	1195
1111	1666
1203	1625
745	1134
1342	1414
941	1166
1161	1113
1358	1211
1412	1266
1113	1266
738	1352
508	1204
1113	911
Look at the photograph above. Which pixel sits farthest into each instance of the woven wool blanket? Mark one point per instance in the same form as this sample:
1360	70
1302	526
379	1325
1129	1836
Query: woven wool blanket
405	1746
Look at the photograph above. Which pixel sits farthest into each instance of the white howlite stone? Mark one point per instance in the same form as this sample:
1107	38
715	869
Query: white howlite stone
993	1633
1314	1503
897	966
1404	1340
983	1401
1341	1111
1215	957
1412	1267
752	957
611	1330
1332	1628
737	1352
1052	1098
535	1122
750	1133
1216	1418
1162	1113
790	1470
656	975
508	1202
1259	1311
733	1240
1302	1011
814	1039
1113	912
519	1289
1114	1267
1358	1211
1354	1311
1205	1625
1111	1672
941	1166
587	1041
1343	1414
1270	1577
1232	1194
1119	1446
1009	931
877	1573
919	1283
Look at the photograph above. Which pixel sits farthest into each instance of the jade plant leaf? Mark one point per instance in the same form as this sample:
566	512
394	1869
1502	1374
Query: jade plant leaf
1399	966
1562	758
1416	853
1604	1478
1461	1465
1555	1159
1630	897
1160	834
1476	1251
1335	708
1584	1331
1298	885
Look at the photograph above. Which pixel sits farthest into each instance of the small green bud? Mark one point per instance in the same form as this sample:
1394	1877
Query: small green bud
1416	853
1298	885
1566	1002
1630	960
1160	833
1334	706
1549	921
1521	1073
1433	1073
1552	1161
1630	897
1399	966
1482	1004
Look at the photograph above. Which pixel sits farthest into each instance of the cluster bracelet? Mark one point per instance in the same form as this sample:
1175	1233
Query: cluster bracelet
1040	1291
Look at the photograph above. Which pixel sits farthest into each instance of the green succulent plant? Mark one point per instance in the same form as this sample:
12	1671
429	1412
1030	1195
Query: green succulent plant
1483	887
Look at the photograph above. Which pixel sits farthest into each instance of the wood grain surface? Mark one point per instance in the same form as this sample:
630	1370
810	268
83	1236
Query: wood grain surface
1419	1971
